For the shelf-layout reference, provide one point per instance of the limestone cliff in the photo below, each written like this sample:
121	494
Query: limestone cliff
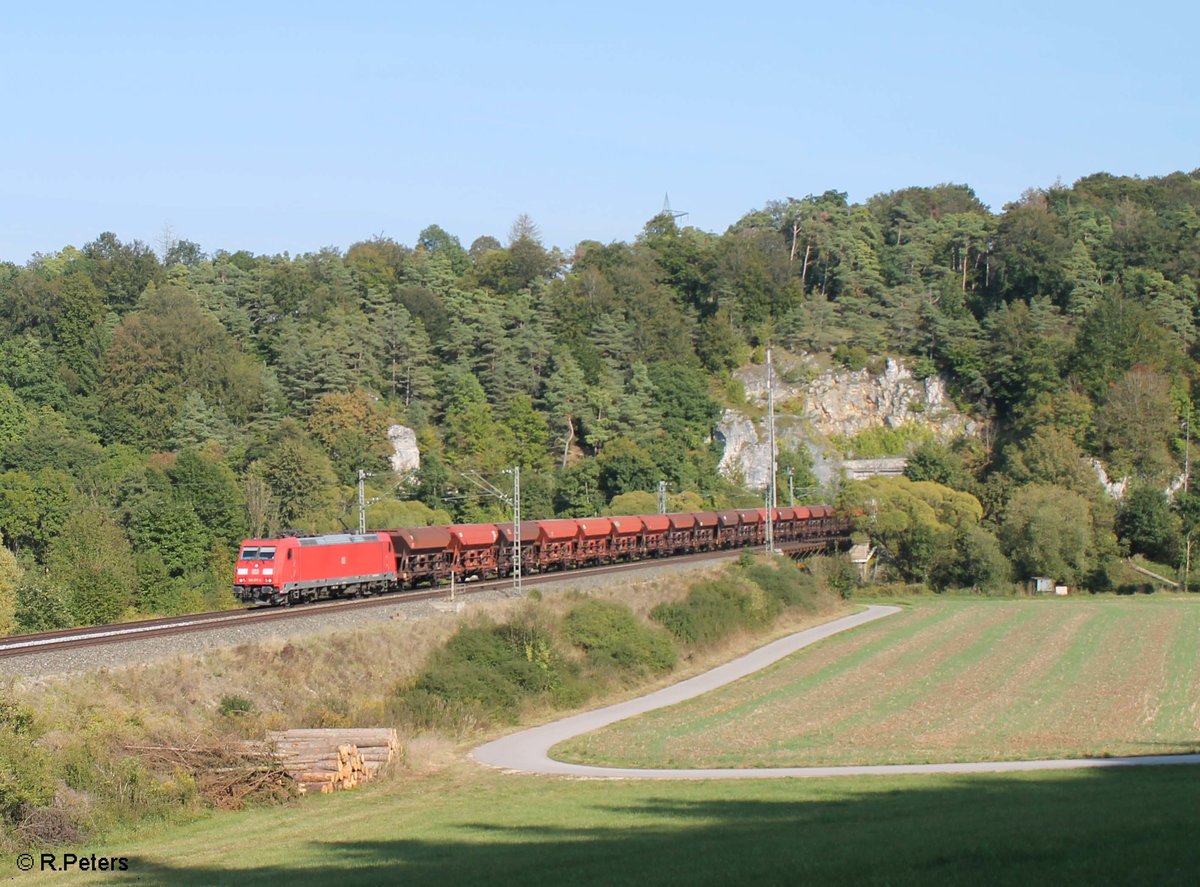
406	455
814	404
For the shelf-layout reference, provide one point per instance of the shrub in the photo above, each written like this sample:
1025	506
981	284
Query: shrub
42	604
424	710
843	577
235	706
329	711
612	635
713	610
923	368
25	777
880	442
782	581
852	357
56	823
489	669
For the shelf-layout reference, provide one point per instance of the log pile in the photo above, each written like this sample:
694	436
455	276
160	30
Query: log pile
328	760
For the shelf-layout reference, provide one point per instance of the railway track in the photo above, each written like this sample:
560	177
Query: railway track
133	632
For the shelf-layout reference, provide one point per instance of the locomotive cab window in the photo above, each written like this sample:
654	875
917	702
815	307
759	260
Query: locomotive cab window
266	554
249	554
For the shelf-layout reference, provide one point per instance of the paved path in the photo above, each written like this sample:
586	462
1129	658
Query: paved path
528	750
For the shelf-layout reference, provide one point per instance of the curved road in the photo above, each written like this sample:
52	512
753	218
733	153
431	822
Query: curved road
528	750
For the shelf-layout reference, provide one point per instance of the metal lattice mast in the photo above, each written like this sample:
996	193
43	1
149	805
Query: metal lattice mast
1187	477
791	488
516	507
515	501
772	498
362	502
667	211
770	534
662	497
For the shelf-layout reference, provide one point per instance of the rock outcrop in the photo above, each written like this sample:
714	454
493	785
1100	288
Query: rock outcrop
845	402
1115	487
812	406
406	455
746	459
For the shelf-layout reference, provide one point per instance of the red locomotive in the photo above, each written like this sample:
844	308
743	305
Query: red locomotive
305	568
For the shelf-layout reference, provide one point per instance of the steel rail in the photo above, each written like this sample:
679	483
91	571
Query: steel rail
132	632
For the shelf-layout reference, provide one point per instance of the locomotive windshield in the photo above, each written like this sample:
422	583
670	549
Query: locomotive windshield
258	554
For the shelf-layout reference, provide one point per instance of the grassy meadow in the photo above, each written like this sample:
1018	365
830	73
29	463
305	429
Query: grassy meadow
463	825
950	679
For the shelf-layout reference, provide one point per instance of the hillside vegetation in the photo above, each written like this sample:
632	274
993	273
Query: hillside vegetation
155	407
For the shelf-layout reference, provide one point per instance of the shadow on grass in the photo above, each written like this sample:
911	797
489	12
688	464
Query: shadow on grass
1120	826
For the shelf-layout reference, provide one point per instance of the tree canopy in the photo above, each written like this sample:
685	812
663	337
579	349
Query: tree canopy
208	393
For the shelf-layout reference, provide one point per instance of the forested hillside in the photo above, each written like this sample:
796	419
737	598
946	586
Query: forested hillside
156	406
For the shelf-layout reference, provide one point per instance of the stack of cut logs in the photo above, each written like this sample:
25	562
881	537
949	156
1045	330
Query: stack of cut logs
322	761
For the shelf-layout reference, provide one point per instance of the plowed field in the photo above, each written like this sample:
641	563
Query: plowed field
949	680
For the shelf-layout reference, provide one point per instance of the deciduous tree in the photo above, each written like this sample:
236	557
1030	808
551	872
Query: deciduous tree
92	560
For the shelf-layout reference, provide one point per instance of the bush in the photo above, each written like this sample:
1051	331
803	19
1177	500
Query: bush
326	712
25	777
842	577
490	669
852	357
713	610
1148	524
924	367
881	442
783	581
612	635
235	706
42	604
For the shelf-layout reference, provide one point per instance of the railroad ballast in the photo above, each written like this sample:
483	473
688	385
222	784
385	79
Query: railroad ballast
296	569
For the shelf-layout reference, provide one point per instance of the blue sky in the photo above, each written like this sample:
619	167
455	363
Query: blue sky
293	126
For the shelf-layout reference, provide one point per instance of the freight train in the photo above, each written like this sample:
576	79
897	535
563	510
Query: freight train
299	569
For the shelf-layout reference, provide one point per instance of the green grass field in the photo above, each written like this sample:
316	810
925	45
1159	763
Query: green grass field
465	826
948	680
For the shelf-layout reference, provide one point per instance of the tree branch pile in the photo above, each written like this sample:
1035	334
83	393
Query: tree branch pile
228	775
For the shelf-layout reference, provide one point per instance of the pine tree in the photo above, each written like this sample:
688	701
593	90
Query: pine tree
407	356
1084	277
566	398
198	423
81	308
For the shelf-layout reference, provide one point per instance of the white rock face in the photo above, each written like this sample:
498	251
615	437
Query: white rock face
406	455
747	455
745	458
846	402
834	402
1115	487
1118	487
